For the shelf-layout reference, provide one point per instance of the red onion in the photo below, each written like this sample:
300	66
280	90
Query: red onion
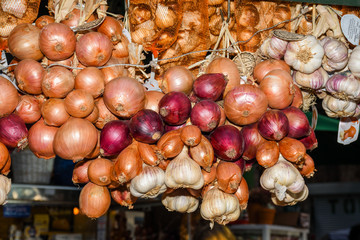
175	108
273	125
228	142
146	126
310	142
249	164
298	122
252	139
241	163
114	137
210	86
205	115
13	132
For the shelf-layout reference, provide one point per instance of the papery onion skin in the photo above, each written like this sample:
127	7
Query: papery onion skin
121	49
9	97
79	103
298	97
100	170
152	100
94	200
146	126
263	68
177	78
123	197
191	135
175	108
210	176
94	115
273	125
228	142
80	172
298	122
57	41
228	176
4	155
205	115
292	150
168	128
148	154
111	28
114	137
57	82
28	75
28	109
44	20
169	145
242	194
13	132
267	154
54	113
210	86
75	139
113	72
308	168
203	154
91	79
7	168
252	140
105	115
242	163
96	151
245	104
310	142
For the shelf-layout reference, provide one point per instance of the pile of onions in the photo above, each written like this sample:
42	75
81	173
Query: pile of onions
114	137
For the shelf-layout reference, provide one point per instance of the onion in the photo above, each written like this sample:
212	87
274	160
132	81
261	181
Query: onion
310	142
113	72
244	34
41	138
28	109
72	19
96	151
298	122
94	200
100	170
227	67
146	126
114	137
90	79
242	194
169	145
175	108
177	78
13	132
228	142
190	135
292	150
152	100
93	49
121	49
9	97
105	115
57	41
80	172
94	115
298	97
148	154
7	167
267	154
28	75
209	177
44	20
228	176
210	86
112	28
54	113
279	88
263	68
245	104
249	164
124	96
252	140
23	42
222	116
308	168
123	197
79	103
169	128
4	155
67	62
75	139
273	125
203	154
242	163
57	82
205	115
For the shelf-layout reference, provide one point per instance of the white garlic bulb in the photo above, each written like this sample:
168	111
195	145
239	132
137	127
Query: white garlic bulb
315	80
336	54
336	108
281	178
180	200
5	186
305	55
183	172
354	60
291	198
344	86
273	47
150	183
219	207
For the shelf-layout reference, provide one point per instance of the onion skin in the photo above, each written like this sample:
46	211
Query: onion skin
114	137
79	103
273	125
292	150
13	132
9	97
100	170
123	197
228	142
242	163
168	128
210	176
111	28
308	167
96	151
175	108
94	115
4	155
54	113
28	75
177	79
75	139
41	138
203	154
28	109
242	194
210	86
94	200
190	135
205	115
148	154
113	72
44	20
267	154
121	49
105	115
169	145
152	100
245	104
57	82
310	142
80	172
228	176
298	97
298	122
252	140
146	126
263	68
91	79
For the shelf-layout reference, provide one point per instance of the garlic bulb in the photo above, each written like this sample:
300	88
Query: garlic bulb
304	55
183	172
149	183
315	80
336	54
281	178
219	207
164	16
5	186
344	86
274	48
336	108
354	60
180	200
291	198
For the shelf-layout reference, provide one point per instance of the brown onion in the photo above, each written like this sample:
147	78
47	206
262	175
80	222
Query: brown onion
228	176
242	194
152	100
91	79
94	115
227	67
67	62
72	19
79	103
23	42
169	145
28	75
96	151
113	72
100	170
123	197
298	97
308	167
112	28
121	49
191	135
75	139
264	67
177	78
94	200
80	172
148	154
163	164
54	113
4	155
267	154
7	168
105	115
279	88
292	150
93	49
209	177
57	41
124	96
203	154
44	20
245	104
28	109
57	82
252	140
